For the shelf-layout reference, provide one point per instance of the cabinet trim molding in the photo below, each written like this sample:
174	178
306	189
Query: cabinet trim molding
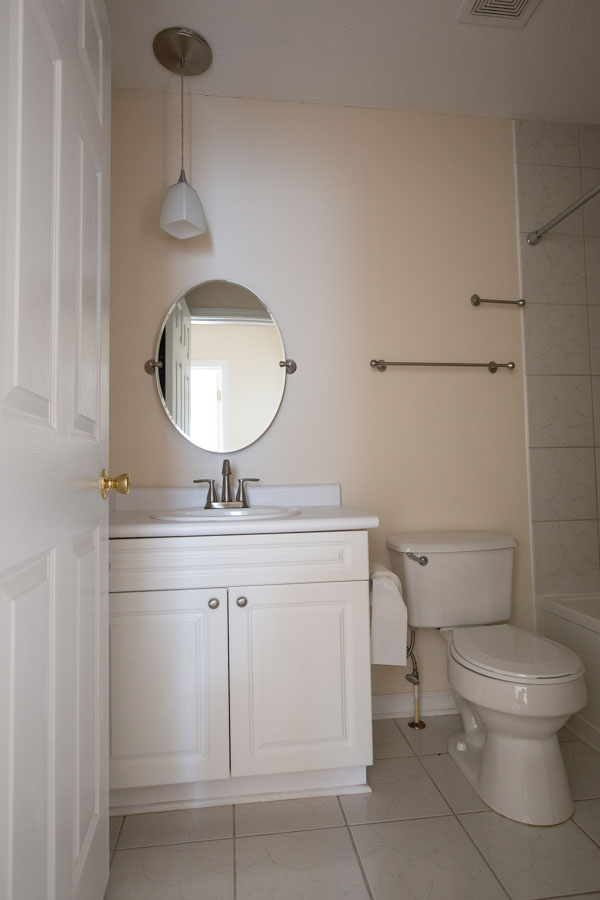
142	564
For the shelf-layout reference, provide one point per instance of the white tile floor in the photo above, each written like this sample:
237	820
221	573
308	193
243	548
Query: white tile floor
423	834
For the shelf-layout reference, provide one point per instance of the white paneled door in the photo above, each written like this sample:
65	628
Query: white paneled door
54	171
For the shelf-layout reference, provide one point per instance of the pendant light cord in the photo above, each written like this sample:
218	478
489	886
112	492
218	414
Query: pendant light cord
182	65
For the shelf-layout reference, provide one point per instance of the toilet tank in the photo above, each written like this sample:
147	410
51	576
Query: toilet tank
467	579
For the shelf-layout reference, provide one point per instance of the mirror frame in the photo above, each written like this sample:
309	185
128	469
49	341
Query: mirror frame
153	366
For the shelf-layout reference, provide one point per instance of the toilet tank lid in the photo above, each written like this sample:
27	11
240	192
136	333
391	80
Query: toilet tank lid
449	541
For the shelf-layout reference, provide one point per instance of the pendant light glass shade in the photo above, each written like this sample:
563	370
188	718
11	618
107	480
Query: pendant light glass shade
181	214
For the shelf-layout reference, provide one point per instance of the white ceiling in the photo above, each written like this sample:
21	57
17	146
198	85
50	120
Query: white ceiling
394	54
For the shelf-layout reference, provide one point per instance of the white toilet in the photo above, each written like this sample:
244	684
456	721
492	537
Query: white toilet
513	689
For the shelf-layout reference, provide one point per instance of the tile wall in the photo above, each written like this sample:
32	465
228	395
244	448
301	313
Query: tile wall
560	277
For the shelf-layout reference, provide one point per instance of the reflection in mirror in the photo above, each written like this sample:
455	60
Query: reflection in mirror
221	382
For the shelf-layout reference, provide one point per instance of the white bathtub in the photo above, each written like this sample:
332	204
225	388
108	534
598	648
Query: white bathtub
575	622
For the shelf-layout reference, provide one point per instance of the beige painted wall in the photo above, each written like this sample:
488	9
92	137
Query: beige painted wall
365	232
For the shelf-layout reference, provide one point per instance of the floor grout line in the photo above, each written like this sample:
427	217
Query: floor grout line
241	837
487	863
175	844
356	853
434	784
582	829
445	815
570	896
114	850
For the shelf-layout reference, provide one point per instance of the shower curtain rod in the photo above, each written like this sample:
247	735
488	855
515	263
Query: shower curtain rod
534	237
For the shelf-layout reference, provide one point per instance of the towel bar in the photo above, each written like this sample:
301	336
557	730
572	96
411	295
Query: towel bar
492	367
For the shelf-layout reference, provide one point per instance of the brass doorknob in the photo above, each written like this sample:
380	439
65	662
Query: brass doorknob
122	483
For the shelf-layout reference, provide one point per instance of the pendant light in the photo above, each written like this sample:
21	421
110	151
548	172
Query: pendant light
184	52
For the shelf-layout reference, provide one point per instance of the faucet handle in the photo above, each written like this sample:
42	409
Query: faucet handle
241	490
211	494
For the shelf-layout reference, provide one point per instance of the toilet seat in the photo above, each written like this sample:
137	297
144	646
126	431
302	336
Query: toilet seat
511	654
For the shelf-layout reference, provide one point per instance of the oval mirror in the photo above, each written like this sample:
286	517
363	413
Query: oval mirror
219	375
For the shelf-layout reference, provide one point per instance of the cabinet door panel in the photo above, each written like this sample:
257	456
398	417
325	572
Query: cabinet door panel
169	703
299	677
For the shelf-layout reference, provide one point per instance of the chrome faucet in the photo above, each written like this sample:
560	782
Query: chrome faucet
226	496
226	501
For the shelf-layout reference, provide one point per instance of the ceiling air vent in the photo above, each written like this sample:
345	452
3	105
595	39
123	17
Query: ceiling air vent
505	13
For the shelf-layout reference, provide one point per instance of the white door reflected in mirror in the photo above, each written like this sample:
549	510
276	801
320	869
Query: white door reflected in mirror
209	420
221	381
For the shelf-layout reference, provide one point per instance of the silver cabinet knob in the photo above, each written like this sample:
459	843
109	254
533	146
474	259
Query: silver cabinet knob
213	603
242	601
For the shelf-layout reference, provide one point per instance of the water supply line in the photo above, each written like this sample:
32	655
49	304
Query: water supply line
414	679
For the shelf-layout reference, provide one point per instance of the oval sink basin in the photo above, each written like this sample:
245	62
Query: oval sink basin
252	512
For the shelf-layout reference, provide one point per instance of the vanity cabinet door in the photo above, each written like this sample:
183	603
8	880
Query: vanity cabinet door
169	687
300	695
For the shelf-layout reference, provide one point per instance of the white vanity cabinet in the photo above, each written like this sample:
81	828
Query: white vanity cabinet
238	655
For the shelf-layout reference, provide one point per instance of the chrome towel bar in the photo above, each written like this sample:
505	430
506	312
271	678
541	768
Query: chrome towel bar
492	367
476	300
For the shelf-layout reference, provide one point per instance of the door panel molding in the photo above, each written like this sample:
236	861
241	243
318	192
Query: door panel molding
27	629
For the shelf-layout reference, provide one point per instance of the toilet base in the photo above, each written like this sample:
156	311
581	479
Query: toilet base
522	779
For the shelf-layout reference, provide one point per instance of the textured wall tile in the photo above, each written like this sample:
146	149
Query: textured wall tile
594	326
549	143
543	192
596	408
560	411
554	270
590	145
557	340
597	455
566	557
563	483
591	210
592	265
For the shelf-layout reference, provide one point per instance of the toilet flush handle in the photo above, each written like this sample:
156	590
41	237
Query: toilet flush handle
422	560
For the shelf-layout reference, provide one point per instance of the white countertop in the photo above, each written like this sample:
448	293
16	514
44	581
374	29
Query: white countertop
131	516
139	524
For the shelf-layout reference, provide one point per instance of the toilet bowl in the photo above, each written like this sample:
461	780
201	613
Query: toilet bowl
513	689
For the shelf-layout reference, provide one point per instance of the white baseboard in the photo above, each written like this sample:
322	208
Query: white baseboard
585	729
241	789
398	706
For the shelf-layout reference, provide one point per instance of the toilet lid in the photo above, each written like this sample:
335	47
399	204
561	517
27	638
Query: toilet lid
503	650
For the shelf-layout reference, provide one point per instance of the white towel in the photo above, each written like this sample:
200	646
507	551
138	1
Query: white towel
388	618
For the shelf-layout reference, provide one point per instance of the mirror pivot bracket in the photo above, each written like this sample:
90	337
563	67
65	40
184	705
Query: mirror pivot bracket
289	365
